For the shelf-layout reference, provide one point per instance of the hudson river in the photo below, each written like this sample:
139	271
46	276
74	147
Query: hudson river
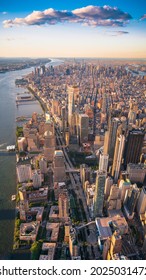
8	113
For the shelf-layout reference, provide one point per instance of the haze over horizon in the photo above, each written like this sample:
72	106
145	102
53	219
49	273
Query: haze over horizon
98	29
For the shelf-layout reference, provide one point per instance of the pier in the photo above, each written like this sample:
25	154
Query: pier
4	152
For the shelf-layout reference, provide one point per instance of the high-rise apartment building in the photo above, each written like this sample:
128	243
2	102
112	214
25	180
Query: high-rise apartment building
24	173
37	179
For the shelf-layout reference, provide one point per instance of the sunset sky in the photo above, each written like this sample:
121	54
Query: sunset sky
82	28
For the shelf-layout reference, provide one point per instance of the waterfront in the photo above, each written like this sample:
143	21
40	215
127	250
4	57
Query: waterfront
8	113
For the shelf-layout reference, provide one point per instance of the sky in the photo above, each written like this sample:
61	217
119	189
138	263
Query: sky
68	28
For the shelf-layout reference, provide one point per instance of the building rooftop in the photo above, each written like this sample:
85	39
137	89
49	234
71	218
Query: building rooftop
58	153
106	226
54	229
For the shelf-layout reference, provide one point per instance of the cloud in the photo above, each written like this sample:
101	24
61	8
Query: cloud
88	16
143	17
117	33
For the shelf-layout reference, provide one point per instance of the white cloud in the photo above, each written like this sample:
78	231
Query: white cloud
90	15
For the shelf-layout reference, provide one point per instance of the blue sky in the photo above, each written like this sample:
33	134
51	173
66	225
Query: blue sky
111	28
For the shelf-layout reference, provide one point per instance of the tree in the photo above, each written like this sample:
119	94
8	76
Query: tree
36	249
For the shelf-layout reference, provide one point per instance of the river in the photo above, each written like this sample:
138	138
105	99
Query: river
8	113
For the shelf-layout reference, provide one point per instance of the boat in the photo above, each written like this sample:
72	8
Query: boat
13	197
22	98
20	82
10	148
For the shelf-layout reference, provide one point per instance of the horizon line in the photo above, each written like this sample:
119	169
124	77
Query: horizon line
72	57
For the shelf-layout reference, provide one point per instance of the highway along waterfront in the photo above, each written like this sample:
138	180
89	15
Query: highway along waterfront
8	113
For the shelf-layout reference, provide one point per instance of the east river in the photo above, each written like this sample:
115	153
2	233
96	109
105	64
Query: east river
8	113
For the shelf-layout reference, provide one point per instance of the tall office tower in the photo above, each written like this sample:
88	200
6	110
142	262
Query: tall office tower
131	117
42	70
55	104
118	155
99	193
114	200
110	138
89	111
131	200
63	203
43	165
103	162
85	174
123	120
49	141
49	126
106	139
49	145
133	146
37	179
136	172
73	92
59	167
108	184
83	128
124	185
63	115
141	203
104	103
24	173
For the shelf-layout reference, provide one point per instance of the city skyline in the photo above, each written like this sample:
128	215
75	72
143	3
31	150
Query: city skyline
103	29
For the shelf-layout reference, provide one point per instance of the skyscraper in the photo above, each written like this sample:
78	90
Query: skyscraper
104	103
83	128
73	92
63	203
37	179
118	154
103	162
110	137
43	165
108	184
49	140
59	167
133	146
131	200
99	193
141	203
